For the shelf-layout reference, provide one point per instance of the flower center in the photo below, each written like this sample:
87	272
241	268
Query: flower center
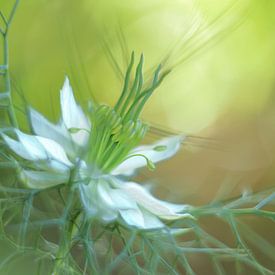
116	131
111	138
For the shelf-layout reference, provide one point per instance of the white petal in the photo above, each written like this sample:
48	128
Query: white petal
153	205
121	200
87	194
42	179
81	137
151	221
94	205
17	147
42	127
54	150
128	167
176	207
108	216
133	217
115	198
32	146
52	166
104	196
72	114
102	201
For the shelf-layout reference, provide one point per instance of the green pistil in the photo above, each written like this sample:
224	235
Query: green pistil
116	131
136	87
126	83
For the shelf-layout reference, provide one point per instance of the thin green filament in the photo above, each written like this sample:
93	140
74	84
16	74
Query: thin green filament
136	85
116	131
126	82
151	166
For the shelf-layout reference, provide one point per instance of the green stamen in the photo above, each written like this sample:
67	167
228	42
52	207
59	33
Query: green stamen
150	165
116	131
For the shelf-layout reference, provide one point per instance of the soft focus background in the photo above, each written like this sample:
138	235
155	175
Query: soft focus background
223	95
224	92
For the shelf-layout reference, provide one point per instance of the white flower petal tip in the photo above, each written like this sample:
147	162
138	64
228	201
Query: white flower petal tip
133	218
42	127
155	206
54	150
156	152
39	123
32	145
27	146
16	147
109	200
36	148
73	116
141	219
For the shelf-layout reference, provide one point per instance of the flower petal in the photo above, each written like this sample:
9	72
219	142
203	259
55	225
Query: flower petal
87	194
17	147
51	165
32	146
73	116
43	179
176	207
54	150
108	216
42	127
151	221
171	145
133	217
115	198
155	206
94	205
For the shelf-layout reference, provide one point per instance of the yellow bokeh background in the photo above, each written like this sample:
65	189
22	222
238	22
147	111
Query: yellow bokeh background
51	39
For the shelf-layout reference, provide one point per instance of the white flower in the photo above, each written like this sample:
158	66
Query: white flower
170	147
72	117
50	164
55	150
111	199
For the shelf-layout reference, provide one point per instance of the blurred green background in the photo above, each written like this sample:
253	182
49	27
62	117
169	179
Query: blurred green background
52	38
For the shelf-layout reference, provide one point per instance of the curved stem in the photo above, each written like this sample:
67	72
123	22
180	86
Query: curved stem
11	112
66	232
5	67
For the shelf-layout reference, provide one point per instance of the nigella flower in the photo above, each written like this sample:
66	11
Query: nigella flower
99	150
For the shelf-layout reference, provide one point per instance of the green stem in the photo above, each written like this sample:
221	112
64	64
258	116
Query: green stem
63	253
11	112
6	73
236	212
